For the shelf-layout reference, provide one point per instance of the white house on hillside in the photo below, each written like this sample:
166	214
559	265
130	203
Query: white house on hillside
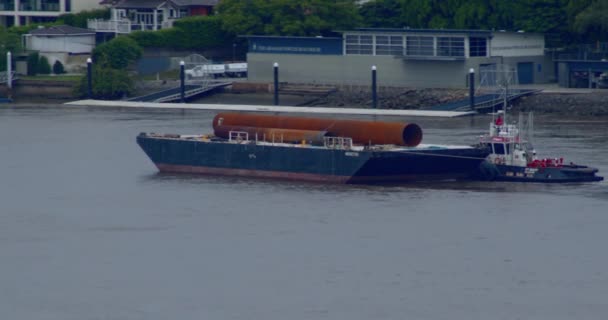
23	12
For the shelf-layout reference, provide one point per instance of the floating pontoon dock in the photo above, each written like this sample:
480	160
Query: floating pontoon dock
274	109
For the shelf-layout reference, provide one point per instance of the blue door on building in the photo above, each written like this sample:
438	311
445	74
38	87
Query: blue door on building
525	72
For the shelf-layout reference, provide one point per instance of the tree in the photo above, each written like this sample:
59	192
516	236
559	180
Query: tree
8	42
80	19
108	83
58	67
44	67
117	53
32	63
593	20
288	17
382	14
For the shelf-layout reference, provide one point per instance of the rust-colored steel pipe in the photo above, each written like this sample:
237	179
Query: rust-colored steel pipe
362	132
273	134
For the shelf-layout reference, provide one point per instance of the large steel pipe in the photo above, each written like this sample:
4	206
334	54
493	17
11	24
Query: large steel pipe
362	132
273	134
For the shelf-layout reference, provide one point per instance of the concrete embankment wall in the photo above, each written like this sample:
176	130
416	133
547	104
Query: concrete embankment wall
36	89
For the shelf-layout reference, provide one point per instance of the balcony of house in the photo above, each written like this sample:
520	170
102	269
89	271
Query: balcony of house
125	25
7	5
40	6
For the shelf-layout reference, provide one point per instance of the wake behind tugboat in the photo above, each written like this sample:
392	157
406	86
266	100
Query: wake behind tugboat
314	149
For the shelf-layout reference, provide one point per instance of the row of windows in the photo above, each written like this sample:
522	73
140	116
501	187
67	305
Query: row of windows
415	46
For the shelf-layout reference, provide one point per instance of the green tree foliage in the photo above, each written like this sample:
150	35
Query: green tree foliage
108	83
382	14
593	20
288	17
58	67
187	33
32	63
561	18
44	67
117	53
80	19
8	42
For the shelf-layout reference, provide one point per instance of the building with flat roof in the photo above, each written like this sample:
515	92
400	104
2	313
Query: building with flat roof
23	12
403	57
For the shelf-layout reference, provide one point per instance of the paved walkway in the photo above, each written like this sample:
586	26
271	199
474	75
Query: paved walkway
282	109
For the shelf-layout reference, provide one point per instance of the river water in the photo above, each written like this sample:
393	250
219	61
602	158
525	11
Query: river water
90	230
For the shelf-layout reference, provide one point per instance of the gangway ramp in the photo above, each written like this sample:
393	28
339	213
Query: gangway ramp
190	91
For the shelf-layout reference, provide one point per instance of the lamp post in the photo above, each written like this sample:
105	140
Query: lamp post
182	80
276	83
9	70
89	78
374	89
472	88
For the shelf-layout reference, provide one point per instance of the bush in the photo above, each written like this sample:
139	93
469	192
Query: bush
187	33
108	83
58	67
44	67
117	53
32	63
80	19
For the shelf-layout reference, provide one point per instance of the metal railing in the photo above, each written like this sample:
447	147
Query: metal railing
116	26
4	76
340	143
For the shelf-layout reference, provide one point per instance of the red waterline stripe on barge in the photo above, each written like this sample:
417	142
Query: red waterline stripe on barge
251	173
299	176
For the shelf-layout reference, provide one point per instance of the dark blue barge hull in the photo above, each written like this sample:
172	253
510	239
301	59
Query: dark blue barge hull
193	155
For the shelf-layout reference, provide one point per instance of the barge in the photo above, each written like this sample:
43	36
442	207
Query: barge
312	149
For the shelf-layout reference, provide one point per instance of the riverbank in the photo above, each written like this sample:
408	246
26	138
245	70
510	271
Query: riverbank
564	102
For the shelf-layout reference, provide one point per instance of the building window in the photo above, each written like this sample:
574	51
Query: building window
450	47
420	46
359	44
389	45
478	47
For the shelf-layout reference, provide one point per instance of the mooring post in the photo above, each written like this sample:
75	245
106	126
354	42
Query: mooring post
374	89
276	83
89	78
472	88
182	81
9	71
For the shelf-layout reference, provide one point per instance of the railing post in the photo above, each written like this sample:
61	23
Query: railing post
182	77
472	88
89	78
276	83
374	89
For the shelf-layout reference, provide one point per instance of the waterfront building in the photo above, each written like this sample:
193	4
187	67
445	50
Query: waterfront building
24	12
403	57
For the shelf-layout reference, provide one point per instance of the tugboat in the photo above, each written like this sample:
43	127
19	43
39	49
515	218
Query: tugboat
513	158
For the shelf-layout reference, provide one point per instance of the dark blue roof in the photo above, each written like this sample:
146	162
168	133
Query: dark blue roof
408	30
288	37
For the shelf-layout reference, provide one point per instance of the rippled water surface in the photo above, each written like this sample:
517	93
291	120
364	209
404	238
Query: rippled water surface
90	230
